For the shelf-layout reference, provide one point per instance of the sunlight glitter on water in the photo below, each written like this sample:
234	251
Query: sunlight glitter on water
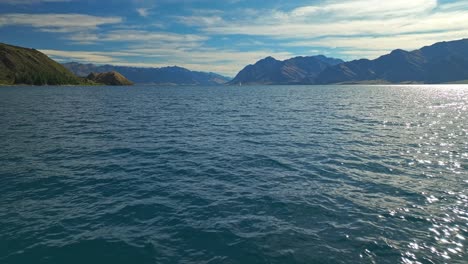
333	174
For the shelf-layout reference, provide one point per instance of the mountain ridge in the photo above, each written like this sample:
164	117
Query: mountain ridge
295	70
169	75
441	62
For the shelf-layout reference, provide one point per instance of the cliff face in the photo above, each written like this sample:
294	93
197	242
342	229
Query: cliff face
109	78
28	66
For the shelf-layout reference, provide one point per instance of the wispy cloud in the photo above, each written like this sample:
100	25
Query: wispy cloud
225	40
79	28
380	44
137	36
371	25
150	36
365	8
82	56
341	20
62	23
144	12
199	21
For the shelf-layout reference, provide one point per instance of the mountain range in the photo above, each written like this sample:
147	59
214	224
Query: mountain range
442	62
298	70
160	76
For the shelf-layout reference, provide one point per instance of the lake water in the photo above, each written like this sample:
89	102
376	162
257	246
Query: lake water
282	174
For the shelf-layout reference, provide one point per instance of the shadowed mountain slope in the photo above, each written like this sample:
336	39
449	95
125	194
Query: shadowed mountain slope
163	76
438	63
298	70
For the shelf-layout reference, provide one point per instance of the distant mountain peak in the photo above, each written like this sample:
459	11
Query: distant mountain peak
268	59
170	75
301	69
438	63
398	51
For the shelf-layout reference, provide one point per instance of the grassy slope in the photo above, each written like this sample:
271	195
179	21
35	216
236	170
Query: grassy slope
28	66
110	78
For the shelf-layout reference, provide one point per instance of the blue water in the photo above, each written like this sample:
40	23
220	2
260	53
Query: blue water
299	174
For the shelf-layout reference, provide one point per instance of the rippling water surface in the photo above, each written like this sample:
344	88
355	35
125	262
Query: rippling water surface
332	174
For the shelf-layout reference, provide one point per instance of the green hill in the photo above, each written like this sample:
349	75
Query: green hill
109	78
28	66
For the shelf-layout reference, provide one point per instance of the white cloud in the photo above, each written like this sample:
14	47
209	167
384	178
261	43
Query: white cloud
82	56
371	27
285	29
367	8
145	36
199	21
83	38
381	43
61	23
144	12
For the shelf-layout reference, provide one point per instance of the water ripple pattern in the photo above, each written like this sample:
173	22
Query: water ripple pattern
298	174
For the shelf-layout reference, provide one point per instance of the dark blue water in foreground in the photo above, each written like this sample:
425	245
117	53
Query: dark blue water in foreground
345	174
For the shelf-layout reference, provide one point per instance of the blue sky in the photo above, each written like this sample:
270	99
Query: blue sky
224	36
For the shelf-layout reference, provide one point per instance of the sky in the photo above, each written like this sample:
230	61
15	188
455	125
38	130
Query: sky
223	36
